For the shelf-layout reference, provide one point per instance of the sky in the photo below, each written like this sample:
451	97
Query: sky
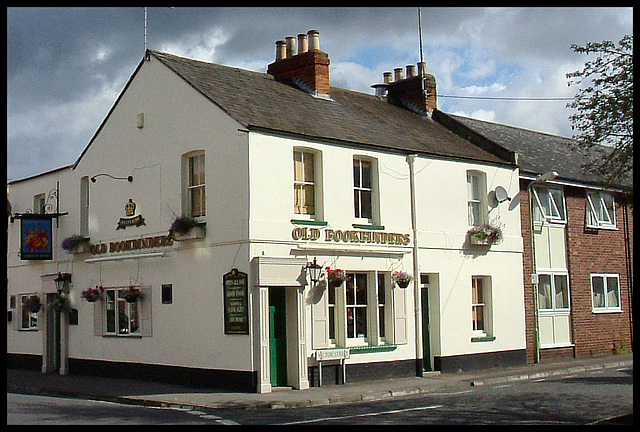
67	66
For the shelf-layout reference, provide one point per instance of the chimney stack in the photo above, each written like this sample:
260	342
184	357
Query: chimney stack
308	69
416	92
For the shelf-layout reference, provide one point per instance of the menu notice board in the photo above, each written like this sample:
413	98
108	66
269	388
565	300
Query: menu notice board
236	302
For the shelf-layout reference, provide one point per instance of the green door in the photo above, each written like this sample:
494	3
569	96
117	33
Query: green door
277	337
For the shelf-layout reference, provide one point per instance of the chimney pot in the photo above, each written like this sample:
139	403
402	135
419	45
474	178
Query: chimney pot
303	43
398	74
387	77
314	40
291	46
281	50
411	70
422	68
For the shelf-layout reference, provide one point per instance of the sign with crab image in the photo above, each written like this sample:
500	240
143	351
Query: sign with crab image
35	238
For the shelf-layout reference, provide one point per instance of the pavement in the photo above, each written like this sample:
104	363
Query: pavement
176	396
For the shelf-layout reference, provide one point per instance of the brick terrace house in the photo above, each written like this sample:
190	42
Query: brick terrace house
583	241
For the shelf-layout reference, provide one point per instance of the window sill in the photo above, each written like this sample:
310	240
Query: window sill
601	227
368	226
607	311
309	222
372	349
483	339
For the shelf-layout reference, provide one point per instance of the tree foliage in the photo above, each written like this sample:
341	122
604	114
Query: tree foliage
604	117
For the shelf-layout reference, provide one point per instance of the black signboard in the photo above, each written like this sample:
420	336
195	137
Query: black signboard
236	302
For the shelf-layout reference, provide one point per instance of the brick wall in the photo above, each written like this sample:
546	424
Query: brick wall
311	69
589	251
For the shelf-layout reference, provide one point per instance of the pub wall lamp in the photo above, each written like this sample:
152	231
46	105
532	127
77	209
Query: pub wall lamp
62	282
315	270
129	178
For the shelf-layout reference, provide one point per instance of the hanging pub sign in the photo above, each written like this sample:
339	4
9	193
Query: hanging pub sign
132	218
36	242
236	302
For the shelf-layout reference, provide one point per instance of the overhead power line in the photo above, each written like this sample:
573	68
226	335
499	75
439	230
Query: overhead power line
536	99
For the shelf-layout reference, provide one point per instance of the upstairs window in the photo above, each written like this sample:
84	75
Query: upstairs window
304	187
549	204
601	212
362	189
39	203
476	198
194	192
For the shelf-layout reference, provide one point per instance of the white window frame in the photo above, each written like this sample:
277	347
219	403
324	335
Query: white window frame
553	294
356	306
21	311
606	308
377	331
551	204
601	210
189	188
485	304
359	189
301	184
118	303
476	198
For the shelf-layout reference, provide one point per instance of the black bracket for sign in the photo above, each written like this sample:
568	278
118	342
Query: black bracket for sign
39	215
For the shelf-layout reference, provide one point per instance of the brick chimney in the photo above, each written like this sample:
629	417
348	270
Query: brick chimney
416	92
308	68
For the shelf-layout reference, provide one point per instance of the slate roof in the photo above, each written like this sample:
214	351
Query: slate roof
261	102
538	152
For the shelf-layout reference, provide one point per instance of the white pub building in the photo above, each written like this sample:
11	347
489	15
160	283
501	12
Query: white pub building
243	230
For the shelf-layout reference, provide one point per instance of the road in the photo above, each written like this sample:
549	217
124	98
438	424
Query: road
582	398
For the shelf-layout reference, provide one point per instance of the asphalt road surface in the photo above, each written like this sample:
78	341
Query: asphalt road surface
583	398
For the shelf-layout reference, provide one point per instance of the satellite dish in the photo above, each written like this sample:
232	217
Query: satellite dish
501	194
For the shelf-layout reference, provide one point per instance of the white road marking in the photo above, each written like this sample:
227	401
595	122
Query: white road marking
361	415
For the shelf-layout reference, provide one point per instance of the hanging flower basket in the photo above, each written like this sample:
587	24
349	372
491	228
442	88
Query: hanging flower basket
401	278
61	303
32	303
187	228
335	277
75	244
93	294
485	235
132	295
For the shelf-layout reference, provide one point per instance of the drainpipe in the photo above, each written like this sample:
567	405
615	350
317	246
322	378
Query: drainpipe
416	271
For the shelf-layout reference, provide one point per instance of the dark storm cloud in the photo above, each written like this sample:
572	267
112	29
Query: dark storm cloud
66	66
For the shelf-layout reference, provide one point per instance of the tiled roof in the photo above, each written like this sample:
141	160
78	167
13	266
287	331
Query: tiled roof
261	102
538	152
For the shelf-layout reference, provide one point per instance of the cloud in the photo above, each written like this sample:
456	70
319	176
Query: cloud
66	66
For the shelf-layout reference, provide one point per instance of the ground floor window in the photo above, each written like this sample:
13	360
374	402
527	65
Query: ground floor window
122	316
356	306
554	308
481	317
29	311
605	292
358	310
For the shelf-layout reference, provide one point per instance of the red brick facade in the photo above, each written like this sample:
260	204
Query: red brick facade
311	69
588	251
